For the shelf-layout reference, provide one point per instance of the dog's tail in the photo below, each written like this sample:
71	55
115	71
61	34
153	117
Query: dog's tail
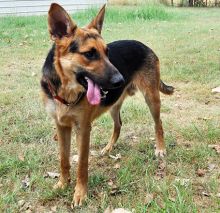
168	90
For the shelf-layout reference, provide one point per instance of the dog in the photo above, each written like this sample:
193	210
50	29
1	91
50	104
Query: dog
83	78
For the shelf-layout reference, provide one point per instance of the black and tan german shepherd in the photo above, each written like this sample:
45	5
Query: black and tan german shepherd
83	77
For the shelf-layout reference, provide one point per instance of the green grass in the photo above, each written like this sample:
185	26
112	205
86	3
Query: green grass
187	43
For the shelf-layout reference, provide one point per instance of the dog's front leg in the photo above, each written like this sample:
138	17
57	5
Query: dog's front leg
82	138
64	139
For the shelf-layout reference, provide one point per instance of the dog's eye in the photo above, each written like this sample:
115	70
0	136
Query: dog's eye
91	54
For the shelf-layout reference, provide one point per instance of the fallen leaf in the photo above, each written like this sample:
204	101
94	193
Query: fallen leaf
115	190
152	138
117	166
216	147
121	210
206	194
21	203
211	166
183	181
26	182
117	157
187	144
173	199
173	144
94	153
218	195
160	203
21	157
148	199
75	159
72	205
26	207
179	106
161	169
134	138
53	208
216	90
201	172
33	74
110	182
52	175
162	165
204	118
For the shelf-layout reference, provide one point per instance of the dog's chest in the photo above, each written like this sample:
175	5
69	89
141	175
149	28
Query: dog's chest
63	114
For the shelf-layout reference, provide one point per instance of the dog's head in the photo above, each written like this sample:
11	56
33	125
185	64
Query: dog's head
81	54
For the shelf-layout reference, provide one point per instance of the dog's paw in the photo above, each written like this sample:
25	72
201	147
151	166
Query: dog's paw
80	195
160	153
107	149
60	185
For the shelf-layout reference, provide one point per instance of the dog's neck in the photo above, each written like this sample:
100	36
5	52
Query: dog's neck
70	95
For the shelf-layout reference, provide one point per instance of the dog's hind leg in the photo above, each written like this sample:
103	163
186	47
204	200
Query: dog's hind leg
64	139
115	114
148	82
153	100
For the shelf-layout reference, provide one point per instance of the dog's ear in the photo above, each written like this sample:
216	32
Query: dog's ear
59	22
97	22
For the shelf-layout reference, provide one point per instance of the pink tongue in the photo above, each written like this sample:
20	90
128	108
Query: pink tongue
93	93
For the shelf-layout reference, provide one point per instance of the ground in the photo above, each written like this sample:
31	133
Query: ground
188	180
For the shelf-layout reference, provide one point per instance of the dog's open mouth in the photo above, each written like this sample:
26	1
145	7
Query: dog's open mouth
96	87
94	92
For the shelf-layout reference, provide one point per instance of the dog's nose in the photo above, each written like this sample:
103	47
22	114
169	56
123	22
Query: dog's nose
117	80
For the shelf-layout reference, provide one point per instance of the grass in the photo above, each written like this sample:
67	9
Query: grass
187	43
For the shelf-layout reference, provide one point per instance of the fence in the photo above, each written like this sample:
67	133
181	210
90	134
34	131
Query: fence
36	7
193	3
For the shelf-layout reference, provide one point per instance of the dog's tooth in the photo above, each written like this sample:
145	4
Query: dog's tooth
105	92
104	96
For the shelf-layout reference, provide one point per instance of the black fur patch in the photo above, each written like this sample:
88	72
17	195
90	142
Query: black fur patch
74	46
128	56
49	72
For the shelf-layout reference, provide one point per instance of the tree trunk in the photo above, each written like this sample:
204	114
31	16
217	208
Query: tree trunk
172	2
191	3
